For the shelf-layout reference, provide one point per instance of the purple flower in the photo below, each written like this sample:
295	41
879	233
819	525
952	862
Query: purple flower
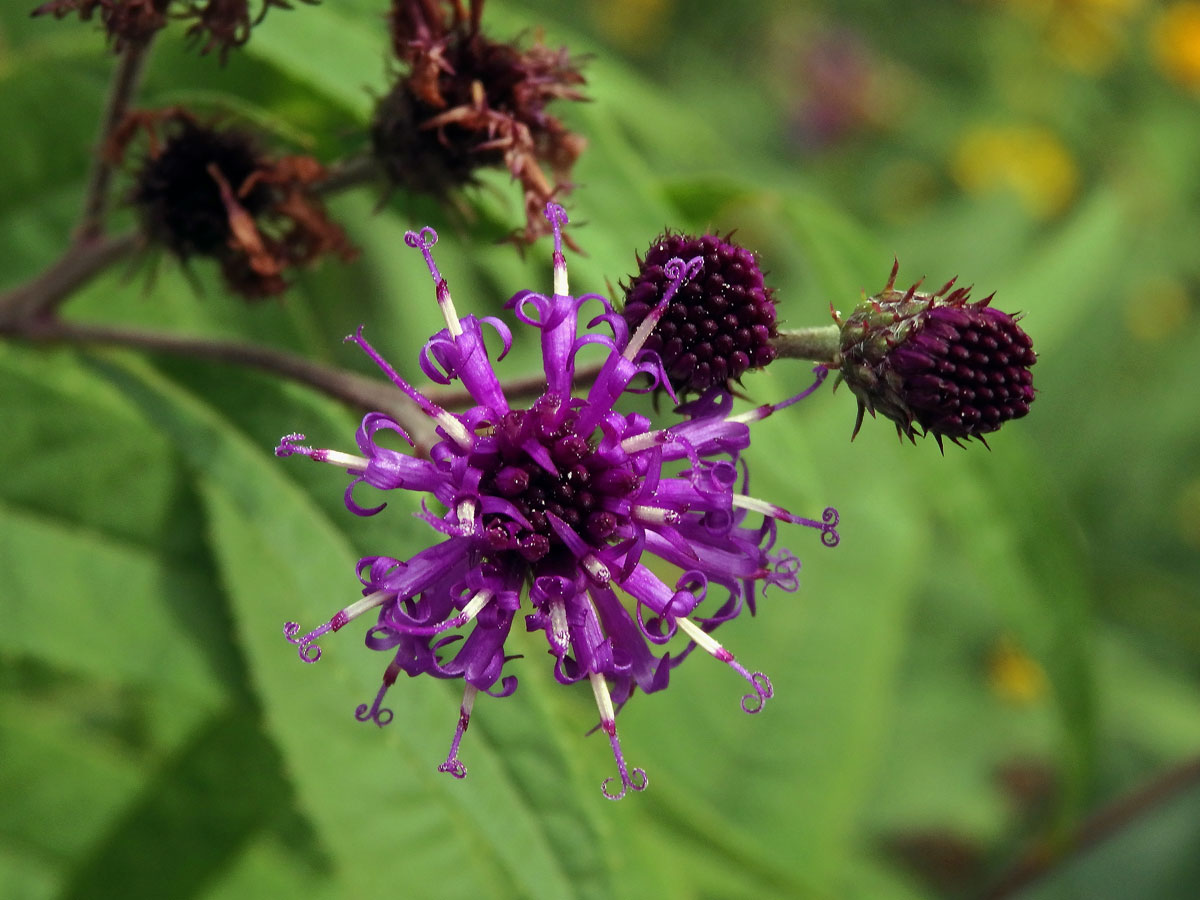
563	504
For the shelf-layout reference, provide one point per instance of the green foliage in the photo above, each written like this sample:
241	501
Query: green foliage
1033	608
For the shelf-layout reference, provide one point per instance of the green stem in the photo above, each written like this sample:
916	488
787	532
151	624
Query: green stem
821	344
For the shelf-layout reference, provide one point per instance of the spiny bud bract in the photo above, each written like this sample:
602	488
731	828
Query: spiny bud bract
718	324
953	368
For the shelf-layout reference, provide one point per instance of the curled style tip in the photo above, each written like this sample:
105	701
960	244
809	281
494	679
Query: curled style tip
829	535
307	648
421	240
556	215
630	779
827	526
634	779
376	713
677	271
763	691
424	241
289	444
453	768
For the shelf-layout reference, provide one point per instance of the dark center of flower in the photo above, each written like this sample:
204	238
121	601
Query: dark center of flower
718	324
179	198
584	491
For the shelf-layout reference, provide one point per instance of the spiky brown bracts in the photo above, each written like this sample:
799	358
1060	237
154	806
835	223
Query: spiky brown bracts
466	102
206	190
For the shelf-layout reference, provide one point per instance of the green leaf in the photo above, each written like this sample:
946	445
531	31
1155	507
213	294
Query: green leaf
367	792
338	54
198	811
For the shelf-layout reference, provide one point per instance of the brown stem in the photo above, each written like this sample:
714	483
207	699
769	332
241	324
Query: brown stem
82	261
348	387
340	384
126	78
347	173
1043	858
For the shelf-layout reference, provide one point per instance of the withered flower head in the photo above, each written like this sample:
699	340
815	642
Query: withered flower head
218	25
953	368
202	190
717	325
126	22
466	102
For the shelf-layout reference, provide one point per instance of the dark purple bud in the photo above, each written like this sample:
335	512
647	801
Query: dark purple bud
937	362
718	325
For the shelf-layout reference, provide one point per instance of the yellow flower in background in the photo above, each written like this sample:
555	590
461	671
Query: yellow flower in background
1028	160
1175	41
1013	675
1084	35
1157	309
633	25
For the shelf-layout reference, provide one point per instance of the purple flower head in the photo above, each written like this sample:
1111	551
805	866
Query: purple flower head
955	369
720	321
559	511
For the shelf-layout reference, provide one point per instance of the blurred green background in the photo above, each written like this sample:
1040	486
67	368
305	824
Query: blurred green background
1003	644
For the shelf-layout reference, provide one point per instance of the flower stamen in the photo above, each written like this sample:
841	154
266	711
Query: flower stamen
560	633
761	412
453	765
288	446
763	691
646	440
469	612
655	515
558	218
678	272
630	779
448	422
424	241
308	650
827	526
